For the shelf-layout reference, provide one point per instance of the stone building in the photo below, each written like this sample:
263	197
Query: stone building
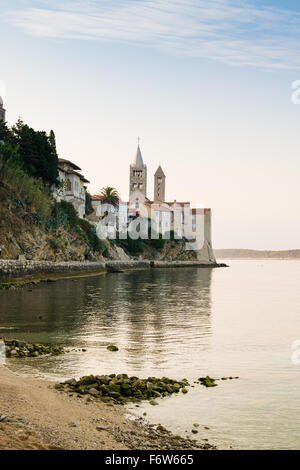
101	209
138	174
2	110
167	214
72	185
159	185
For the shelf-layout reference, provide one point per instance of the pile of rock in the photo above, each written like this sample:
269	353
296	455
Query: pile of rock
16	348
121	389
148	436
210	382
207	381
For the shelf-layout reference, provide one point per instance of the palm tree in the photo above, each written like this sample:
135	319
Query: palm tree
110	196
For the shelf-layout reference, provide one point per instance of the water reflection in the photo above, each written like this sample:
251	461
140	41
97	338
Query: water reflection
153	316
181	323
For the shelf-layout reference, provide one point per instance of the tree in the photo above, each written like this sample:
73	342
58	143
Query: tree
5	133
52	141
88	204
8	153
109	195
38	152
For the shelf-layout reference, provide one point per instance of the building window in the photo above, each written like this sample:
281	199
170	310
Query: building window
69	185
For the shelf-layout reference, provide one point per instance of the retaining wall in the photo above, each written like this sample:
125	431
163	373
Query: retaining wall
13	270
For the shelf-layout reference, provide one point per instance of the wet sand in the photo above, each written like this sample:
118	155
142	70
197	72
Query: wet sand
33	415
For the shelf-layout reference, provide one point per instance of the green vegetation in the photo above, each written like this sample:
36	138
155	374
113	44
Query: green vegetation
64	214
90	232
133	246
109	195
88	204
36	151
137	246
24	189
28	171
28	166
154	240
158	243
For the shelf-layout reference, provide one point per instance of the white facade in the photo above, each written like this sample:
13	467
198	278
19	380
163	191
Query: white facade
72	186
161	215
119	213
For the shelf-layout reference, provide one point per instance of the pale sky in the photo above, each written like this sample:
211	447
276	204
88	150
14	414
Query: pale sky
206	84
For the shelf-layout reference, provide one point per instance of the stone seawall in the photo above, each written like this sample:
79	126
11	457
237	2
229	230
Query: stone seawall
11	270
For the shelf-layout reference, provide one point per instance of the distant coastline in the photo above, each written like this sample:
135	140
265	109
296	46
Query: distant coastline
257	254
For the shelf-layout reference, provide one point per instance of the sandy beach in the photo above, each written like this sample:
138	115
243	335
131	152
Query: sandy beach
33	415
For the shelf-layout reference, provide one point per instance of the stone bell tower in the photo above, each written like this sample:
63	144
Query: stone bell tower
159	185
2	110
138	174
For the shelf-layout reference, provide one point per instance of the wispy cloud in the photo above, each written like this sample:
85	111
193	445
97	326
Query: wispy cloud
235	32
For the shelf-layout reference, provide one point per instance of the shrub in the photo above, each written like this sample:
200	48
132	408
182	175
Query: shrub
158	243
55	244
90	232
105	253
88	204
69	211
26	189
135	246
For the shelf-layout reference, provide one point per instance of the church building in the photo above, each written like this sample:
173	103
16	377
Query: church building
2	110
162	212
138	174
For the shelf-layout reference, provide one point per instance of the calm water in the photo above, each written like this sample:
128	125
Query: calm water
181	323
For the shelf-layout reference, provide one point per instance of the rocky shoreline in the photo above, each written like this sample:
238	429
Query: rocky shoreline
28	271
103	393
108	391
16	348
34	415
121	389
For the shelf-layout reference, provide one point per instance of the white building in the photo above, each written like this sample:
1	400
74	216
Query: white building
119	214
72	185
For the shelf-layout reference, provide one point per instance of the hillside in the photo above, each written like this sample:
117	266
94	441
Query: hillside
32	223
256	254
22	232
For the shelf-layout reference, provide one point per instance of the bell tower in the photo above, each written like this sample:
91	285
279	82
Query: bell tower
2	110
138	174
159	185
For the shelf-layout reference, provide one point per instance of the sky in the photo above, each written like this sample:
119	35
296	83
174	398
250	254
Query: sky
206	84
